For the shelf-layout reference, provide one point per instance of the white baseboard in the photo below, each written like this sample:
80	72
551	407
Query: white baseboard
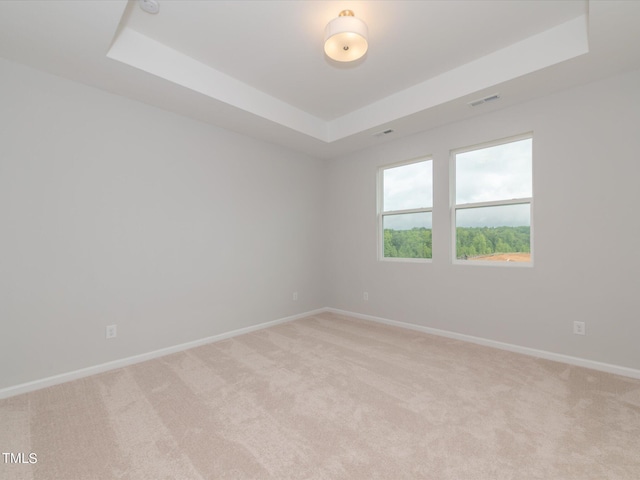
556	357
104	367
124	362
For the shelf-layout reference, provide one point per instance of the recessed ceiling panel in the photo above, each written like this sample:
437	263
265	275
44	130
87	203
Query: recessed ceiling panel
258	67
276	46
266	57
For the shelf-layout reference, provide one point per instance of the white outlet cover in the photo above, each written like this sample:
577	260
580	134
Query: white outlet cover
112	331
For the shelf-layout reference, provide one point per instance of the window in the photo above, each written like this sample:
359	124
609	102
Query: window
406	202
493	202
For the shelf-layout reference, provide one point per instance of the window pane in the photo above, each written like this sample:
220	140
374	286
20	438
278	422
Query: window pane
500	234
407	235
408	186
502	172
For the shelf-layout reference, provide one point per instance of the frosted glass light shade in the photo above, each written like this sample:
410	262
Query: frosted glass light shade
345	38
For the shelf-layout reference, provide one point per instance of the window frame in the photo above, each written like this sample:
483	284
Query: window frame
493	203
381	213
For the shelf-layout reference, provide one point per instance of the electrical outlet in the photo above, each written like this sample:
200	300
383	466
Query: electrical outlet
295	296
112	331
579	328
365	296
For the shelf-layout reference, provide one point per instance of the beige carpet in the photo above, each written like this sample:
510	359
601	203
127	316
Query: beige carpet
335	398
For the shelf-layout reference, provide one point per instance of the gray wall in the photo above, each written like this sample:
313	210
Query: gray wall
112	211
587	255
115	212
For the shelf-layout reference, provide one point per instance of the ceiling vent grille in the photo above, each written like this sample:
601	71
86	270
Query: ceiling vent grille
480	101
383	133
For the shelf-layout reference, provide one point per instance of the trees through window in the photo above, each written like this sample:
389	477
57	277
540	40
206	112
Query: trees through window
493	202
405	210
491	210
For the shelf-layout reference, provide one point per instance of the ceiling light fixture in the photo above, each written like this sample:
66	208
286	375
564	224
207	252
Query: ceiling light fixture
345	37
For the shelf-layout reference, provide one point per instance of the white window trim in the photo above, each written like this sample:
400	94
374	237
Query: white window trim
381	213
463	206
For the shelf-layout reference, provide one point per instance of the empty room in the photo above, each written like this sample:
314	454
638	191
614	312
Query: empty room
319	239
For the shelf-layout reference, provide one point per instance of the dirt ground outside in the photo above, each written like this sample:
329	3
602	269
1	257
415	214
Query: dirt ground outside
504	257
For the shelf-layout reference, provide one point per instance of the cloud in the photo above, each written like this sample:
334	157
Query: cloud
408	186
502	172
407	221
502	216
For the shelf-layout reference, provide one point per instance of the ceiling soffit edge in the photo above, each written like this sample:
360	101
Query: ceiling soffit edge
560	43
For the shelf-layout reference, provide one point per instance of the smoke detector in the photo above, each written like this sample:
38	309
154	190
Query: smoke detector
149	6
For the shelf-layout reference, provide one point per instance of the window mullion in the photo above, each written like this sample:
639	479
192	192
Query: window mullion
410	210
494	203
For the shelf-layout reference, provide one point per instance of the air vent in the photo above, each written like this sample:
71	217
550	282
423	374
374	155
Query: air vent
383	133
480	101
